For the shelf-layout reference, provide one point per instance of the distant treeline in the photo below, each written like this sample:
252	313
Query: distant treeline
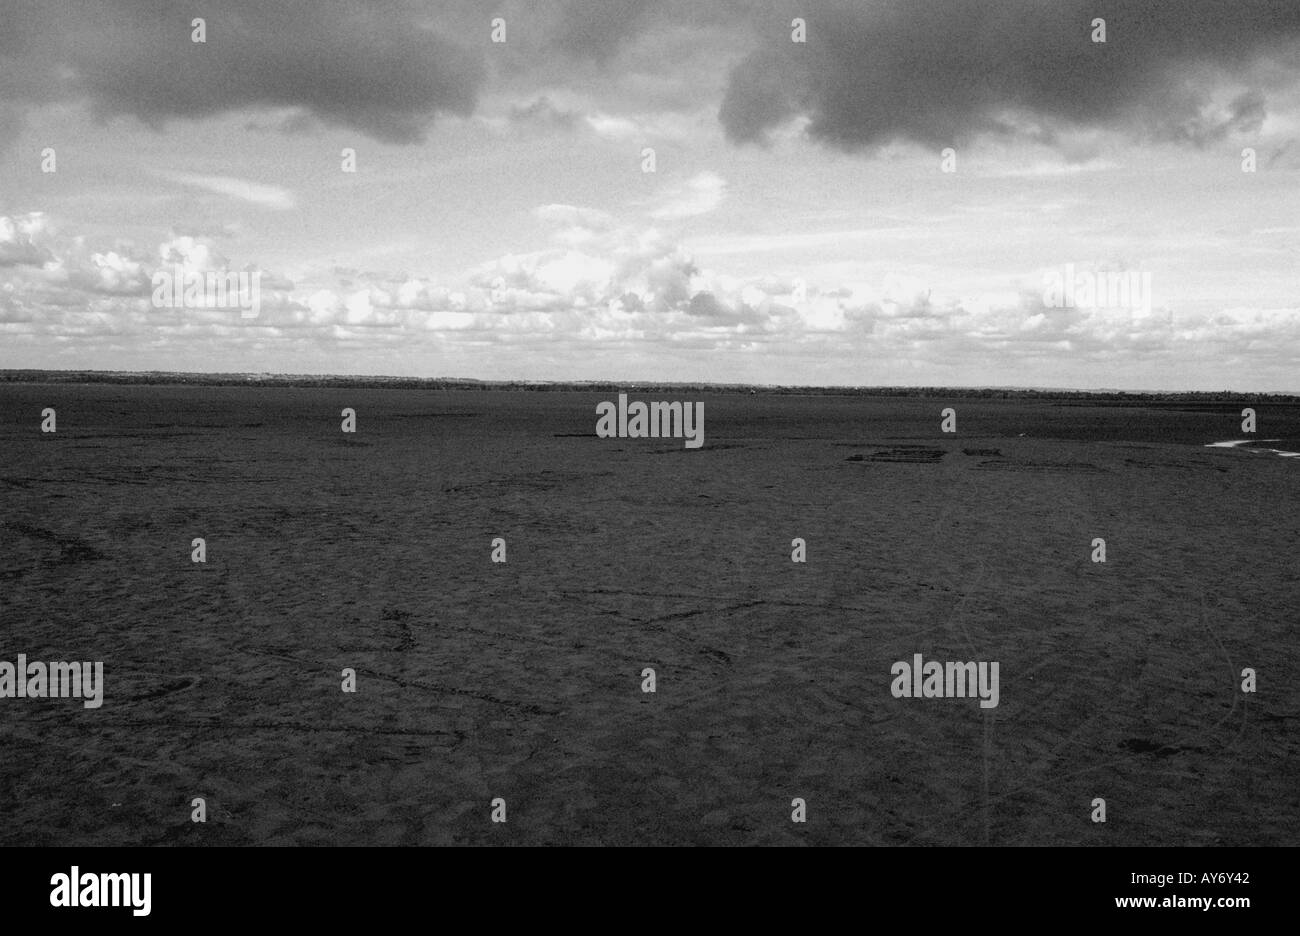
147	378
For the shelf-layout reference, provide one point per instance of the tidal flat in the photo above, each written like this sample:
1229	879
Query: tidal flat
523	680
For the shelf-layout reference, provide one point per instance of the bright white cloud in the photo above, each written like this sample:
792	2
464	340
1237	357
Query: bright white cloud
700	195
625	287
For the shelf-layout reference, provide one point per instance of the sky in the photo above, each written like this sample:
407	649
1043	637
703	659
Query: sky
860	193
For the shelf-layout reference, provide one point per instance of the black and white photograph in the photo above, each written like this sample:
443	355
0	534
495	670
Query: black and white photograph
650	423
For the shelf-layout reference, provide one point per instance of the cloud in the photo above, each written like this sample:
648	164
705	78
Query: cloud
12	123
113	274
622	290
1051	169
928	71
700	195
595	29
938	73
17	247
379	69
255	193
58	282
542	112
560	110
572	226
566	217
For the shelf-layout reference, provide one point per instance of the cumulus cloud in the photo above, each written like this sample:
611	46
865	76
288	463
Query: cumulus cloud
113	274
71	286
17	246
602	284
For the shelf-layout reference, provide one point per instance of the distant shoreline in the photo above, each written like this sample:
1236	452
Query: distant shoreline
167	378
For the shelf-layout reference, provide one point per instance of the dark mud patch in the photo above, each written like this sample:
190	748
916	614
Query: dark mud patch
902	454
72	549
678	449
1003	464
1191	467
435	416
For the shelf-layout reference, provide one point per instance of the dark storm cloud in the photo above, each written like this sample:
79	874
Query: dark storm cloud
595	29
872	71
377	68
943	71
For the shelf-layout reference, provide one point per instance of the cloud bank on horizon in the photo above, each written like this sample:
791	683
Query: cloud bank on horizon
878	203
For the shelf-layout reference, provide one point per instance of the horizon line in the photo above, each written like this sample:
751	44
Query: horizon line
15	375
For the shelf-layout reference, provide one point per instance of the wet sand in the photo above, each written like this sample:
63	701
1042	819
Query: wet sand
523	681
